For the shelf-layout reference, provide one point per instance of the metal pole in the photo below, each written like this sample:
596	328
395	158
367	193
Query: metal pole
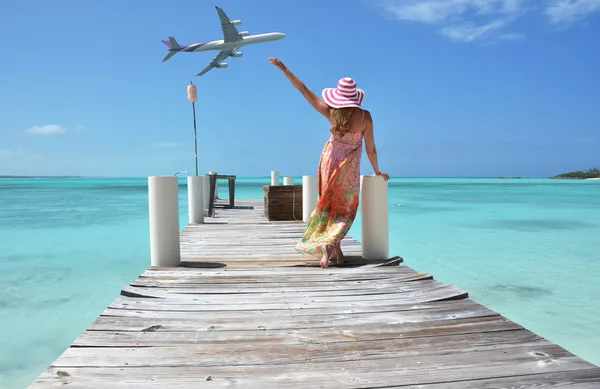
195	142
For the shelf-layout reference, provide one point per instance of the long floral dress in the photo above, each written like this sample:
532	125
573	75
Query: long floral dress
339	184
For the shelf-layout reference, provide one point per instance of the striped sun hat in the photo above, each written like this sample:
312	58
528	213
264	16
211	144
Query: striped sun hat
345	95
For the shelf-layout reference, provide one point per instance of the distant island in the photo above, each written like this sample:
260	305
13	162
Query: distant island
580	175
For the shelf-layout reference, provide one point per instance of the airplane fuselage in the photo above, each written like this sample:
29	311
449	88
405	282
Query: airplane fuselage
222	45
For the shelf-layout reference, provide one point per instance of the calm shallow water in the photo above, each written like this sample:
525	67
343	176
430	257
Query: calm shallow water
528	249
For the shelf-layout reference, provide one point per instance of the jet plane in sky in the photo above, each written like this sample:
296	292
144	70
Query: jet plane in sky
228	46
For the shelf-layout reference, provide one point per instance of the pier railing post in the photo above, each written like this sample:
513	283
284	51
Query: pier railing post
309	196
213	193
288	180
163	201
374	215
205	192
274	178
216	182
195	199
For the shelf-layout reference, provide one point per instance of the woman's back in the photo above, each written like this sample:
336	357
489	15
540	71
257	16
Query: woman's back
347	121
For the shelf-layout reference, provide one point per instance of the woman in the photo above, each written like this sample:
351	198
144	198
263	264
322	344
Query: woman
339	167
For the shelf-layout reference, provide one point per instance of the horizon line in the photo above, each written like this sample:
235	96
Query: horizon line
258	177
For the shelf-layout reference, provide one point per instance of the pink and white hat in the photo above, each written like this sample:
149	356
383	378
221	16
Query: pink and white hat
345	95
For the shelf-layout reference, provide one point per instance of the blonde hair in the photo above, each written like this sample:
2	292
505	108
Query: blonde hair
340	118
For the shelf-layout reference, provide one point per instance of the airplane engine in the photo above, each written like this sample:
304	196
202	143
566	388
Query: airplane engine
236	22
244	33
237	54
222	65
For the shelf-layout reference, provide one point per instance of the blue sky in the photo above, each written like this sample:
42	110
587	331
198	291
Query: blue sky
456	87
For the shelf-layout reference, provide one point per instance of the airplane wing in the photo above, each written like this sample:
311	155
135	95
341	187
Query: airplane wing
218	59
230	33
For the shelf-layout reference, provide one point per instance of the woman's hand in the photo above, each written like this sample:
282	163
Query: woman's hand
277	63
382	174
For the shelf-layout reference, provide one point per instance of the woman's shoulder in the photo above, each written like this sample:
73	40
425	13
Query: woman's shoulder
366	116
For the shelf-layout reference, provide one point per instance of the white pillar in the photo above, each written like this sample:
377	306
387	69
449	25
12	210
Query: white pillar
288	180
216	187
374	215
205	192
195	199
163	201
309	196
274	178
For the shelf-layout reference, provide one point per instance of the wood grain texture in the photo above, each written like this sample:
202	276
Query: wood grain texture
246	311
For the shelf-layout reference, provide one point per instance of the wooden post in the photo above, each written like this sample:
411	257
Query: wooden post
215	187
212	194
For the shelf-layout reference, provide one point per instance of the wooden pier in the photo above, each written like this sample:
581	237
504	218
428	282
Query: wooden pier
244	310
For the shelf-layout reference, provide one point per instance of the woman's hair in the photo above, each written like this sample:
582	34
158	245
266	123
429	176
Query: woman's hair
340	118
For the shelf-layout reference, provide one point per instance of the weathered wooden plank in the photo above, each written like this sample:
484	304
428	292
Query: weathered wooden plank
207	321
573	379
277	270
188	307
230	296
484	324
384	372
190	283
399	281
293	284
181	279
262	354
447	292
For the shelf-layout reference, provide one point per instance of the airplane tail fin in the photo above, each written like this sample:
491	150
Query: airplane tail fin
173	47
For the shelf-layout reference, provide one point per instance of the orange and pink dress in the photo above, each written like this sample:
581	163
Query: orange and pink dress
339	185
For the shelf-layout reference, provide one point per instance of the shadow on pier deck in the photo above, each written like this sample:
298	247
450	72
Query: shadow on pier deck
246	311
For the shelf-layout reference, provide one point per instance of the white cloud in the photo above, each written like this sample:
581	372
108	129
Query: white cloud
469	31
165	145
479	20
48	129
568	11
461	20
437	11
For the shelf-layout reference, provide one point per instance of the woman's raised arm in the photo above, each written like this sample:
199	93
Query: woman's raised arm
309	95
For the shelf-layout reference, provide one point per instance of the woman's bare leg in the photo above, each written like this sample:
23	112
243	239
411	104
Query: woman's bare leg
338	254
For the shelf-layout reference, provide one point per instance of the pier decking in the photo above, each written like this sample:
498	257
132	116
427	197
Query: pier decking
246	311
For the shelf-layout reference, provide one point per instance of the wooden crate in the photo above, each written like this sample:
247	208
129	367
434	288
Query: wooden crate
283	202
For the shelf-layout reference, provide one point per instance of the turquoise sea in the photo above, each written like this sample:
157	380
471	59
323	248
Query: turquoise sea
528	248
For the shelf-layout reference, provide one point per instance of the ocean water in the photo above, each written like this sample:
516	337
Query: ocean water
529	249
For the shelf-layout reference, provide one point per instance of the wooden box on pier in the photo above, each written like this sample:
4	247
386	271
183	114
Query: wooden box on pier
283	202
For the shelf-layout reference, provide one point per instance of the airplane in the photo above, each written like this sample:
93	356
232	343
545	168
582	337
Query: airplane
228	46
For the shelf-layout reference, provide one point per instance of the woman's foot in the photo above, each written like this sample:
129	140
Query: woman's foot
326	257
